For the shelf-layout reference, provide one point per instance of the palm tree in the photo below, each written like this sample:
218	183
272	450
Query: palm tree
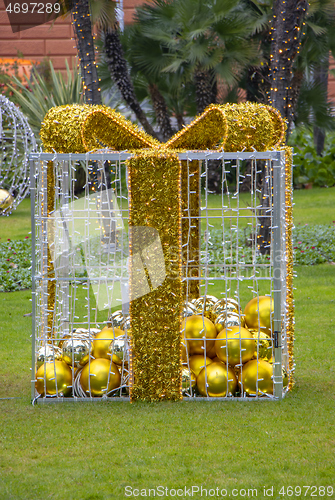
117	65
205	42
163	89
286	32
307	98
101	13
81	18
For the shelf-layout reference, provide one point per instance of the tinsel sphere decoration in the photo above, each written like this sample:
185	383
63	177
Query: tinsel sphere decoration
101	342
17	141
74	350
6	201
47	354
226	306
197	363
256	370
198	327
264	344
258	313
217	378
188	380
238	341
94	377
53	372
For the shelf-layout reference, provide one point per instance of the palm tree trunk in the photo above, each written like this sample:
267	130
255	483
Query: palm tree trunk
205	89
321	77
180	121
85	46
161	112
118	69
286	32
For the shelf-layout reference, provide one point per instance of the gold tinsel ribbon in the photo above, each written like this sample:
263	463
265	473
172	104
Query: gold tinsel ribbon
289	264
51	286
155	201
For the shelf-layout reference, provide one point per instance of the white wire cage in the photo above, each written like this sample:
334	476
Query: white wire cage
234	249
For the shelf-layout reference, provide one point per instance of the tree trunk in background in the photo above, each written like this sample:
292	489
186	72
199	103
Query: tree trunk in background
321	77
161	112
85	46
205	89
286	33
119	71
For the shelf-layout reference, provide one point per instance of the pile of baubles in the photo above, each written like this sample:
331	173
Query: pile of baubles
86	363
227	352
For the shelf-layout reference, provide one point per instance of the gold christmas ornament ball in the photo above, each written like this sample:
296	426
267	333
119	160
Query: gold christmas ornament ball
226	320
264	344
126	325
118	347
240	345
198	327
6	200
94	377
183	350
226	306
101	342
197	363
116	320
188	380
258	313
256	370
218	378
73	350
189	310
85	360
55	373
212	352
47	354
205	303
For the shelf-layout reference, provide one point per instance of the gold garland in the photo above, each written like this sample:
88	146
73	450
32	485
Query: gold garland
253	127
245	126
61	128
51	286
155	200
289	263
107	128
207	131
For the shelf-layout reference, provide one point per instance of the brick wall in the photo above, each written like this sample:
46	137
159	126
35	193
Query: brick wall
39	41
57	42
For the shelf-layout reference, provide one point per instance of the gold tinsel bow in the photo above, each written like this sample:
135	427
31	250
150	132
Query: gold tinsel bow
233	127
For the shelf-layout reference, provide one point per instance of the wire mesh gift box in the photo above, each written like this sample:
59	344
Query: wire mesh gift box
146	284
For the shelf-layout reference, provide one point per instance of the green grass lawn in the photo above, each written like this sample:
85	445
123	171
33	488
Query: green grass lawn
95	450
